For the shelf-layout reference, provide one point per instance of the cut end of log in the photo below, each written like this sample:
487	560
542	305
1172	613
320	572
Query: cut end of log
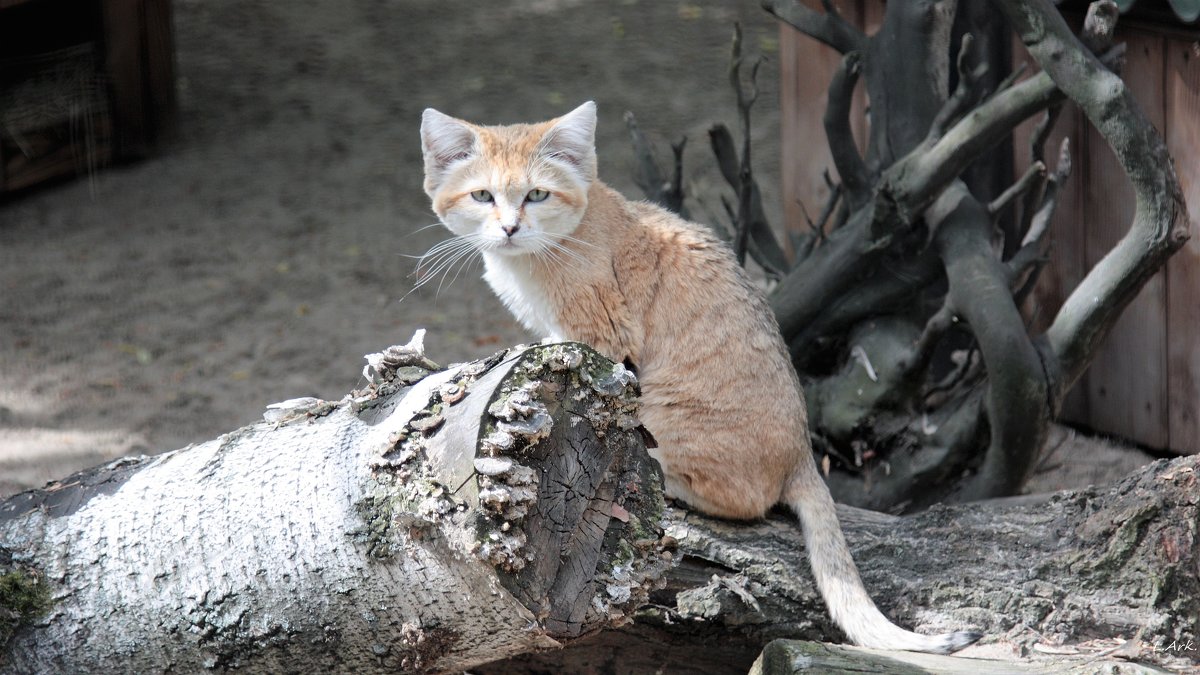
593	540
537	462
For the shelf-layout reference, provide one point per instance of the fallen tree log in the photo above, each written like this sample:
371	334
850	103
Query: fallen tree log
364	535
1114	561
505	508
792	657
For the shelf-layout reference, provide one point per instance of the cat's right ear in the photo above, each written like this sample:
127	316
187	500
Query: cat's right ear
573	139
444	141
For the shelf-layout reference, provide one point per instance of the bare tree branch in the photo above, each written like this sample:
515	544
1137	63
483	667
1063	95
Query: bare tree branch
923	144
1039	223
847	253
905	189
965	94
850	166
922	351
1099	26
649	177
1159	225
829	28
891	288
914	181
752	232
1011	79
746	96
1036	171
907	93
1017	382
917	178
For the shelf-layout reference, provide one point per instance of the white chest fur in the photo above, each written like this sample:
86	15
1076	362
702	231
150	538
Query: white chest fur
512	280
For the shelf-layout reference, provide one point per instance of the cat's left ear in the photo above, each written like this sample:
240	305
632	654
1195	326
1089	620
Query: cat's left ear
444	141
572	139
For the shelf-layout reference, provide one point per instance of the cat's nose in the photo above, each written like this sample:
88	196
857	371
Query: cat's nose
510	230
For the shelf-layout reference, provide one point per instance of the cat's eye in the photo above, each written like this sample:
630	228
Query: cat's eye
481	196
537	195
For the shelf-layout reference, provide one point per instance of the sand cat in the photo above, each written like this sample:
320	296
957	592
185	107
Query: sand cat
574	260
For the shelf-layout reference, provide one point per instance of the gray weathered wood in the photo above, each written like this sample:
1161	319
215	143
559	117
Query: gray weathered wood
1116	561
787	657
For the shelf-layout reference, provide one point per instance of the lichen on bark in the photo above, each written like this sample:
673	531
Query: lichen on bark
24	596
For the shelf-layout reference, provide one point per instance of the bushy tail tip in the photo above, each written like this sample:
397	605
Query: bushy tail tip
952	642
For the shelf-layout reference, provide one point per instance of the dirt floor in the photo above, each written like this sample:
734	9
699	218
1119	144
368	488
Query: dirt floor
267	249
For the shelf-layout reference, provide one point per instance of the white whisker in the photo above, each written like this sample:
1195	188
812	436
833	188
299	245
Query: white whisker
443	265
563	250
555	256
467	262
574	240
424	227
449	243
444	268
546	259
441	258
426	269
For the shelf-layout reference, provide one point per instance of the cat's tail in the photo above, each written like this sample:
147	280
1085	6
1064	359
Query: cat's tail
837	576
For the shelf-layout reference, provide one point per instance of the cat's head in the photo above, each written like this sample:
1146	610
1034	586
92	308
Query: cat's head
510	187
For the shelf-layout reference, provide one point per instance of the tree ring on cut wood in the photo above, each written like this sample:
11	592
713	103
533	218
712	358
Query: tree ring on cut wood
581	488
543	452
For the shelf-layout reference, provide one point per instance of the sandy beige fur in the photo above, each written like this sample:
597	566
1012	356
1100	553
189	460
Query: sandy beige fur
640	284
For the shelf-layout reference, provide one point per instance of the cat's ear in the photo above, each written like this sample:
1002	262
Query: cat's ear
444	141
572	139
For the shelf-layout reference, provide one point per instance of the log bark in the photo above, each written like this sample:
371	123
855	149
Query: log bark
787	657
1117	561
361	535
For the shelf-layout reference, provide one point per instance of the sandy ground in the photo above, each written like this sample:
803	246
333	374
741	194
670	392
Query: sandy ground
266	250
263	253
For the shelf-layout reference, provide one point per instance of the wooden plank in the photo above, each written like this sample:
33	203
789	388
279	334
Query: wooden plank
1067	262
159	52
123	30
52	157
1183	270
790	107
806	66
1127	383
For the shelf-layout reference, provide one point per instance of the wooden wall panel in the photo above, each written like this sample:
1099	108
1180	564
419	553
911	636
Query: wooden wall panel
1127	384
1182	111
139	59
159	54
806	66
123	37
